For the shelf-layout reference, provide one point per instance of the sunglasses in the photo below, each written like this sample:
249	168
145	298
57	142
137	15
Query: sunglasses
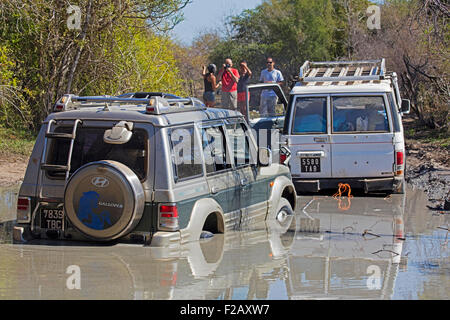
269	62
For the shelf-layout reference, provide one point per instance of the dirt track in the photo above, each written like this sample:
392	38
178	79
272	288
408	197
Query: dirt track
428	169
12	169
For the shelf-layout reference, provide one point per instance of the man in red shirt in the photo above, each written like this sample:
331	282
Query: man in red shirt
230	78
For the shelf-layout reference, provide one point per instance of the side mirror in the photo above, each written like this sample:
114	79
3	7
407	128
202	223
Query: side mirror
265	157
119	134
406	106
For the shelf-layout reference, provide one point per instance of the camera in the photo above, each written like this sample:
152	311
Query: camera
227	66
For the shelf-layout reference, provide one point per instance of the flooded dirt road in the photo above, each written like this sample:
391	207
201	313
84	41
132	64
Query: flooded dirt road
374	247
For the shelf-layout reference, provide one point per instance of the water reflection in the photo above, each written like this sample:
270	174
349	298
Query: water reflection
8	198
378	248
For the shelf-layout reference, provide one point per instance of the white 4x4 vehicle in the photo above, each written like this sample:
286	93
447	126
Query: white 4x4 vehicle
344	125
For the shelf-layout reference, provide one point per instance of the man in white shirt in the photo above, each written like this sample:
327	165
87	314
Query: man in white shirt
269	97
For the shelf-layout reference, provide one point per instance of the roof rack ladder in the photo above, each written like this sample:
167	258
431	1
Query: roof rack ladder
64	136
52	167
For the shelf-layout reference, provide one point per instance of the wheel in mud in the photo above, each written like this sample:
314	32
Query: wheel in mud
104	200
284	213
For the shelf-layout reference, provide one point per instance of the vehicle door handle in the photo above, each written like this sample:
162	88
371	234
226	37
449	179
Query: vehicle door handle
244	181
320	139
312	154
214	190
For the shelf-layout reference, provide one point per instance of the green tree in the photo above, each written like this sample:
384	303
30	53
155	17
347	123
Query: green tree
49	58
291	31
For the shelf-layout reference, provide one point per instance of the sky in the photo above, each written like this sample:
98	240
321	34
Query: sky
208	15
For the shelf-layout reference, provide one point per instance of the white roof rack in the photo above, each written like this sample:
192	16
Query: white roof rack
335	71
152	105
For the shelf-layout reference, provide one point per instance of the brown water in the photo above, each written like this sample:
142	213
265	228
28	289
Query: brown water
359	248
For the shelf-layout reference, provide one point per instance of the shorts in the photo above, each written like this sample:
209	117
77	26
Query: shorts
241	102
229	100
241	96
209	96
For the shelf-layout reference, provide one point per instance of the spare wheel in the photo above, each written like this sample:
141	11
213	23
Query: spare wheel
104	200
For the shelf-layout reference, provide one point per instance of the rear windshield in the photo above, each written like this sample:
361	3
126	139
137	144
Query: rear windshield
310	115
89	146
359	114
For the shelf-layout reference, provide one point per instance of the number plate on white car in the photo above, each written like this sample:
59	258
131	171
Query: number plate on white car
52	218
310	164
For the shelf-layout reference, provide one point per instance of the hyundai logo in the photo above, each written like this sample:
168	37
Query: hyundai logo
100	182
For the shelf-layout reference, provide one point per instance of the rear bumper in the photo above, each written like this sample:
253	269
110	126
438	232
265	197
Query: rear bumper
366	184
22	234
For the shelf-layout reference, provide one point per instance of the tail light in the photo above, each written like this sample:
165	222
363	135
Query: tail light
23	209
168	217
283	158
284	154
399	162
58	107
399	157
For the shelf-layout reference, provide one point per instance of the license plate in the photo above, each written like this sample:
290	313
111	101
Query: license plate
310	164
52	218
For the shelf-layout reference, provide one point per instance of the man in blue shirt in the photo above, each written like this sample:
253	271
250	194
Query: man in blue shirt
269	97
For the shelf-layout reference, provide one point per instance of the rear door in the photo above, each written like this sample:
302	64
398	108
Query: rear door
308	138
362	138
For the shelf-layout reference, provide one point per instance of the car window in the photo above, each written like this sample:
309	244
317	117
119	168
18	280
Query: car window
240	144
89	146
359	114
394	112
214	149
264	103
310	115
186	153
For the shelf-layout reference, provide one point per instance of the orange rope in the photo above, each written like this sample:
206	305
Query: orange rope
343	187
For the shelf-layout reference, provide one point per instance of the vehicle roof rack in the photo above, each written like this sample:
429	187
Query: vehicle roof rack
153	105
335	71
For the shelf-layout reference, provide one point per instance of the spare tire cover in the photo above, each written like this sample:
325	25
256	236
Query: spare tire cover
104	200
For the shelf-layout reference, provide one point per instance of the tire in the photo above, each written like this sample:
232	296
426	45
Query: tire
284	214
282	229
401	189
104	200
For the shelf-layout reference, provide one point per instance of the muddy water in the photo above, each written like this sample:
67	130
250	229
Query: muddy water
360	248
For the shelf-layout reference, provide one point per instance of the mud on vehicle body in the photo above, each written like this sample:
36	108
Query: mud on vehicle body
152	170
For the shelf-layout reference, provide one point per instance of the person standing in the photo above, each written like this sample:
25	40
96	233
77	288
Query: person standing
245	74
230	78
269	97
209	80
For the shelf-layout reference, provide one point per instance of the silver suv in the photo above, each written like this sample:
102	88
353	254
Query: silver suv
152	170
